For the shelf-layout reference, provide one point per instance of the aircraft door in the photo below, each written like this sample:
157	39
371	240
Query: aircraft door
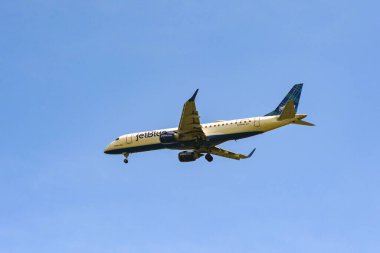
256	122
129	139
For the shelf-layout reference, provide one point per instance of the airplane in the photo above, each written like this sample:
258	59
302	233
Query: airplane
195	140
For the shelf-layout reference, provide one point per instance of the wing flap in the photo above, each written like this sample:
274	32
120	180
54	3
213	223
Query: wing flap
228	154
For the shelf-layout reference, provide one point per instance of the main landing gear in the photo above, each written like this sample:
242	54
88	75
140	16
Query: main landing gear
126	158
209	157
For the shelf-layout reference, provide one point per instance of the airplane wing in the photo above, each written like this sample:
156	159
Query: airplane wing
189	126
229	154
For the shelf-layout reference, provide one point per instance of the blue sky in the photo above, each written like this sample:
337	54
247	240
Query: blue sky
77	74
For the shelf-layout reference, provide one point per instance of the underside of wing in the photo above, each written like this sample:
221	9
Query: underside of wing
229	154
189	126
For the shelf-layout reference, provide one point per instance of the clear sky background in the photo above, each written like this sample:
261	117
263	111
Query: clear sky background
76	74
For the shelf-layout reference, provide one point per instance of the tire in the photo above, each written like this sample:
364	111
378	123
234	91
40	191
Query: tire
125	160
209	158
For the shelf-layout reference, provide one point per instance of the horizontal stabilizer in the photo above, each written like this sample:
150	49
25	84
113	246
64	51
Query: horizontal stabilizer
304	123
288	112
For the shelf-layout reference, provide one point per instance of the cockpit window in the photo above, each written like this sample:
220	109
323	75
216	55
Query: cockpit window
117	139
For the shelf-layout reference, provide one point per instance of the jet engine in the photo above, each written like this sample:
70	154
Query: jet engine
168	137
187	156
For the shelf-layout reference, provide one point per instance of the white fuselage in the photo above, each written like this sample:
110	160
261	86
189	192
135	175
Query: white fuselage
217	132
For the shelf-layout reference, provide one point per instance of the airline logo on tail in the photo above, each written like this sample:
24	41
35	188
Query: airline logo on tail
293	95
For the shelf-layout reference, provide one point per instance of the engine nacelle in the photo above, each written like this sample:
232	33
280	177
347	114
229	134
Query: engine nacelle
168	137
187	156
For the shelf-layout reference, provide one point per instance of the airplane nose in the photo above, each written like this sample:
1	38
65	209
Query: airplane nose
107	150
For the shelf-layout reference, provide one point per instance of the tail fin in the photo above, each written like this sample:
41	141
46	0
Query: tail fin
293	95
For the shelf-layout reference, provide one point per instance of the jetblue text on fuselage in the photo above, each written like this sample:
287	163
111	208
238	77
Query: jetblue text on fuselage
148	135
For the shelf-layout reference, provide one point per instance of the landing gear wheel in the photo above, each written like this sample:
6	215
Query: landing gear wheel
126	157
209	158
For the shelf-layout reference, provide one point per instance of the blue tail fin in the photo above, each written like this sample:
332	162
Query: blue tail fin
293	95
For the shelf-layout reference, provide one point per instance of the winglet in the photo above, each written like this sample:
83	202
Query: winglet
194	95
250	154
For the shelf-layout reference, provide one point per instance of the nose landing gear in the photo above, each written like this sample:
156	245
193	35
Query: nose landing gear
126	158
209	157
